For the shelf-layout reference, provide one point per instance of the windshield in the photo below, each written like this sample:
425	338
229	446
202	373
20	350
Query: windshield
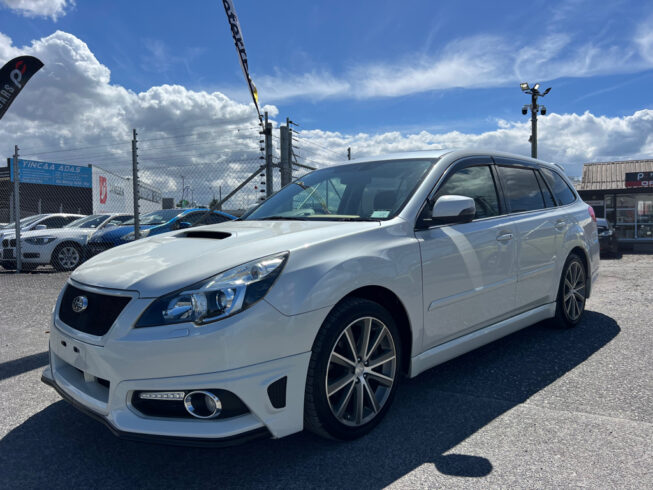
157	217
23	222
354	192
92	221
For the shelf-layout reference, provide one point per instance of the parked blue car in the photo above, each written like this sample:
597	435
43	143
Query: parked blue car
154	223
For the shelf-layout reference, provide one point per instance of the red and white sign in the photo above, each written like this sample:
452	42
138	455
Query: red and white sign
104	189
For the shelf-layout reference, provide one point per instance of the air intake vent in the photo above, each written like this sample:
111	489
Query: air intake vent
211	235
277	392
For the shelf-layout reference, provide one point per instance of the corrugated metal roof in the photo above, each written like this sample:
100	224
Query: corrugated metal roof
611	175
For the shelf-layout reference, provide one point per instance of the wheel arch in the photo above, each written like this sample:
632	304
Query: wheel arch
390	301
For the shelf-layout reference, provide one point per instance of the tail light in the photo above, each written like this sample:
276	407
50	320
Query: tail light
592	214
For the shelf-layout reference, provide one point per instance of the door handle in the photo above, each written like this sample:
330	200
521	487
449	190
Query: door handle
504	237
560	224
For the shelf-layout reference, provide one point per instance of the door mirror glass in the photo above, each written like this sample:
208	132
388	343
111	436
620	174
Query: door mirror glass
453	209
184	224
40	227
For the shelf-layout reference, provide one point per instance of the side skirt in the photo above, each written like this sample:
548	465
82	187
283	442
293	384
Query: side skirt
454	348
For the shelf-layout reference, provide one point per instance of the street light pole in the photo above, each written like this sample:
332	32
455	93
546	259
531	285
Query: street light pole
534	92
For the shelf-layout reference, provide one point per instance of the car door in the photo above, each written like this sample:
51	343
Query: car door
536	221
468	269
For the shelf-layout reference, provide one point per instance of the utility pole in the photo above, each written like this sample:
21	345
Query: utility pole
183	190
137	217
285	147
220	195
349	153
534	92
19	256
269	182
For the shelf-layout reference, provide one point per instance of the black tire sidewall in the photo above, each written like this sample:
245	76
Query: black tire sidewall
335	324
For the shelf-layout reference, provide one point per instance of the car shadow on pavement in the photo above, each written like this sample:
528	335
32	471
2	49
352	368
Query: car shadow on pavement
432	414
22	365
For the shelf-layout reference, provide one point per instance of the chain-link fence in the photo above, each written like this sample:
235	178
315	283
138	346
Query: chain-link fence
75	202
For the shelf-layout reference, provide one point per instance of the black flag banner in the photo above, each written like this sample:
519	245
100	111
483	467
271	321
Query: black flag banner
13	77
240	47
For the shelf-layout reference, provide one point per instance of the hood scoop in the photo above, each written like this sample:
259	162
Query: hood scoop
211	235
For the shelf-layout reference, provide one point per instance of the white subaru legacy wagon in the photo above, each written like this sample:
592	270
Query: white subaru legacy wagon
308	311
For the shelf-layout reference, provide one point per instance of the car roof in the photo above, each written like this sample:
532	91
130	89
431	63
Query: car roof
452	154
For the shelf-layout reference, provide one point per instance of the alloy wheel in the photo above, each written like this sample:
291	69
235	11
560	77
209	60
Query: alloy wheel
574	291
68	257
361	371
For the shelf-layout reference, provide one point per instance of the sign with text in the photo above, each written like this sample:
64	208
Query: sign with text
639	179
34	172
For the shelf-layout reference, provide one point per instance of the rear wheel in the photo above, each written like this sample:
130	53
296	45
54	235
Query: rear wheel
354	370
66	257
572	293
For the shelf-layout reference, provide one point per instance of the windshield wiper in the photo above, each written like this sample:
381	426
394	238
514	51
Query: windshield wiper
291	218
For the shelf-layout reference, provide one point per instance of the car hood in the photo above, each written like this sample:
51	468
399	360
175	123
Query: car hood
164	263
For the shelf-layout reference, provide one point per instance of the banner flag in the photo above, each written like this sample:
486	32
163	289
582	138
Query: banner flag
13	77
237	33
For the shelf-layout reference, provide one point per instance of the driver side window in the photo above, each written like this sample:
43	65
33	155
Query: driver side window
475	182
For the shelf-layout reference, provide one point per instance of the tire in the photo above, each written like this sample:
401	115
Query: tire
8	265
66	257
335	365
570	307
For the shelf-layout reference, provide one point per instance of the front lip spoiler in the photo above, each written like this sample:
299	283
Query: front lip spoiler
252	435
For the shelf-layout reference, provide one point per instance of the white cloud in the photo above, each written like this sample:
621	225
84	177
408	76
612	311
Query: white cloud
71	103
568	139
39	8
478	61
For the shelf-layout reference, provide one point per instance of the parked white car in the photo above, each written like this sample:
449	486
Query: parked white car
39	222
307	311
63	248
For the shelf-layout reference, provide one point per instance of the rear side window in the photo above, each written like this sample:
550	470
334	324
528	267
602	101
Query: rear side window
521	189
546	192
477	183
560	188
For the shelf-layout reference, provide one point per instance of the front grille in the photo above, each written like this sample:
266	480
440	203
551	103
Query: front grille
99	315
9	243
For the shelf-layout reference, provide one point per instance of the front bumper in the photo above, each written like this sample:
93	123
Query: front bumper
261	433
73	374
243	355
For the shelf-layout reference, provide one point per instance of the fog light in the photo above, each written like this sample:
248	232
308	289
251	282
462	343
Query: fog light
202	404
162	395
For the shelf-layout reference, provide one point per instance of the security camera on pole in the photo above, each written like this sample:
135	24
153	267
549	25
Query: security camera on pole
534	92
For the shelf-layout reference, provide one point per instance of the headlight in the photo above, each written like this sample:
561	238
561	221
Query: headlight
132	235
605	233
218	297
40	240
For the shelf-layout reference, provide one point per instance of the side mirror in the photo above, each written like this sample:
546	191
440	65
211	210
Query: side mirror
40	227
453	209
183	225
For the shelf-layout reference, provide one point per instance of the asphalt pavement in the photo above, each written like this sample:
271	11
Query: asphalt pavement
542	408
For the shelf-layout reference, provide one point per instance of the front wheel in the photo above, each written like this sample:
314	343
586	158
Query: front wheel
354	370
572	293
66	257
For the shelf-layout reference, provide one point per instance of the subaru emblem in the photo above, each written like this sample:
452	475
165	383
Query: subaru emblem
80	303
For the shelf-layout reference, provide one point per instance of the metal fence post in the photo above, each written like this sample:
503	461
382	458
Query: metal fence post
284	165
19	257
137	218
269	178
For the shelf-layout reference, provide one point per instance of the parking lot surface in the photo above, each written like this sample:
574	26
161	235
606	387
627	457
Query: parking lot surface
540	408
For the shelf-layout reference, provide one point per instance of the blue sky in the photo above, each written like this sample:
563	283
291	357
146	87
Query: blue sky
375	75
148	43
